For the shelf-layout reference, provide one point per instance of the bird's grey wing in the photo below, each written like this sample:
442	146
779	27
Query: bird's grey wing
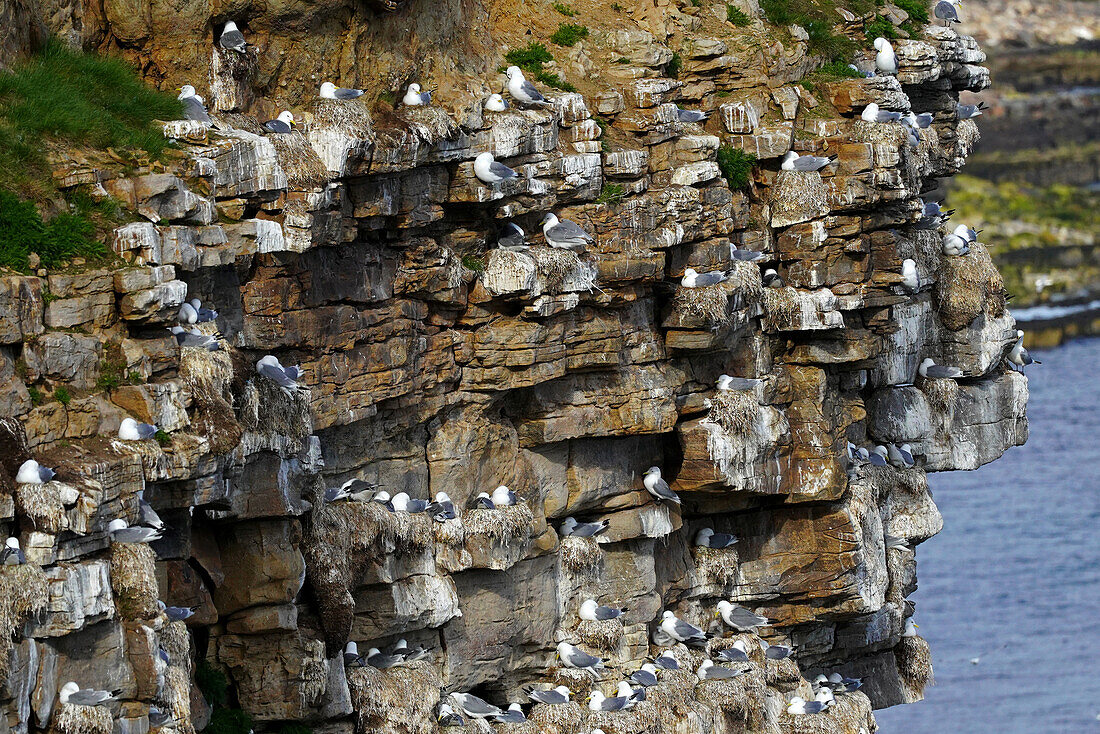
276	375
705	279
733	654
687	630
475	706
233	40
195	110
146	430
276	126
946	11
924	120
777	652
884	116
87	697
876	460
604	613
425	98
940	372
581	659
342	93
643	678
502	170
530	91
746	255
568	230
664	491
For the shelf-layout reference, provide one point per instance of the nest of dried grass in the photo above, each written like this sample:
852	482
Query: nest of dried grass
782	305
877	132
799	196
176	641
673	697
510	265
782	674
643	717
580	554
41	505
736	411
849	713
578	681
451	533
304	169
71	719
942	395
400	700
566	718
708	305
914	659
24	591
503	524
350	118
967	134
209	377
741	697
602	634
562	270
175	697
966	285
719	566
134	580
275	411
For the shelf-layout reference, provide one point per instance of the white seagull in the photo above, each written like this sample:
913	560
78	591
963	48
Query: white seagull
522	90
886	61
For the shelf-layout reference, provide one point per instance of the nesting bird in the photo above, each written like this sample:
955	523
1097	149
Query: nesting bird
592	612
777	652
572	656
739	618
707	538
736	654
969	111
504	497
474	707
194	108
496	103
232	39
919	122
512	237
484	502
799	706
900	456
709	671
910	280
658	487
551	697
795	162
872	113
442	509
680	630
12	555
489	171
929	369
645	676
597	701
131	430
666	661
403	503
282	124
195	339
885	61
771	279
522	90
690	115
176	614
415	98
202	314
693	279
747	256
331	91
564	234
31	472
911	628
956	243
570	527
513	715
120	532
285	377
73	694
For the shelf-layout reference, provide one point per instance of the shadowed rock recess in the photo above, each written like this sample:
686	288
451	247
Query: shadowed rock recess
363	249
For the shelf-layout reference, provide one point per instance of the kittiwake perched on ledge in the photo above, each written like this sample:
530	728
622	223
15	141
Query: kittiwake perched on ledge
739	618
571	528
645	676
909	278
284	123
690	115
658	487
885	61
551	697
726	383
795	162
270	367
202	314
176	614
920	122
969	111
776	652
496	103
474	707
73	694
415	98
522	90
592	612
573	657
564	234
709	671
929	369
899	456
680	630
193	106
232	39
131	430
707	538
489	171
504	497
666	661
799	706
403	503
442	509
599	702
1019	355
331	91
946	11
483	502
31	472
514	715
736	654
195	339
120	532
693	279
872	113
746	256
512	237
12	555
771	279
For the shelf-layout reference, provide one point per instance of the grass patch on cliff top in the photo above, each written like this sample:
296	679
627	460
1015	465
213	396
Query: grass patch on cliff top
568	34
818	18
531	58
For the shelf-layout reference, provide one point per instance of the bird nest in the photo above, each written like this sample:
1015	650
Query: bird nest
942	395
176	641
719	565
967	136
602	634
847	714
782	305
24	591
41	504
451	533
782	674
642	717
879	132
349	117
565	718
966	286
504	524
561	271
673	697
509	266
910	480
399	700
272	410
175	698
134	580
914	660
736	411
798	196
577	681
708	305
580	554
72	719
303	167
209	376
742	697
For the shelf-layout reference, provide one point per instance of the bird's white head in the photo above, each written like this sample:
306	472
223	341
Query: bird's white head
373	651
771	273
287	117
690	272
668	614
67	690
654	471
564	690
484	158
442	497
12	543
114	525
928	362
351	647
513	71
881	44
789	159
382	497
549	220
414	88
703	536
186	91
724	606
328	90
229	26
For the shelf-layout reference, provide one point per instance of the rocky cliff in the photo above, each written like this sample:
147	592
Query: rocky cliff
362	249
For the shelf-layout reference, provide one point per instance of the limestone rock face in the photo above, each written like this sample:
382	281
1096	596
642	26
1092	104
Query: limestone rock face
363	250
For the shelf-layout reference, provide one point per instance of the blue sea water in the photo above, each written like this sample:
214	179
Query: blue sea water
1013	580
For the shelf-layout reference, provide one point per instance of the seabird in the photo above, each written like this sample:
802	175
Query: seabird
176	614
194	339
336	494
202	314
909	278
666	661
861	72
383	498
489	171
474	707
131	430
193	107
408	654
777	652
629	692
970	111
415	98
825	696
12	555
739	618
725	383
645	676
877	456
911	628
658	487
31	472
1018	355
892	541
693	279
771	279
120	532
403	503
484	502
680	630
709	671
690	115
872	113
967	234
947	12
932	215
158	718
496	103
514	715
745	256
574	657
504	497
599	702
933	371
899	456
442	509
735	654
844	684
799	706
591	612
564	234
795	162
707	538
271	368
522	90
352	658
331	91
354	489
447	716
146	514
187	314
284	123
73	694
955	244
512	237
551	697
919	122
570	527
885	61
232	39
378	659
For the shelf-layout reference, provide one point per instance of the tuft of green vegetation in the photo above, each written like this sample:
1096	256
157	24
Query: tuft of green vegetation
917	10
36	396
672	68
622	60
64	96
564	9
62	395
737	16
830	72
616	7
551	79
611	194
529	58
388	98
212	683
818	18
67	235
568	34
736	166
229	721
162	437
472	262
880	26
